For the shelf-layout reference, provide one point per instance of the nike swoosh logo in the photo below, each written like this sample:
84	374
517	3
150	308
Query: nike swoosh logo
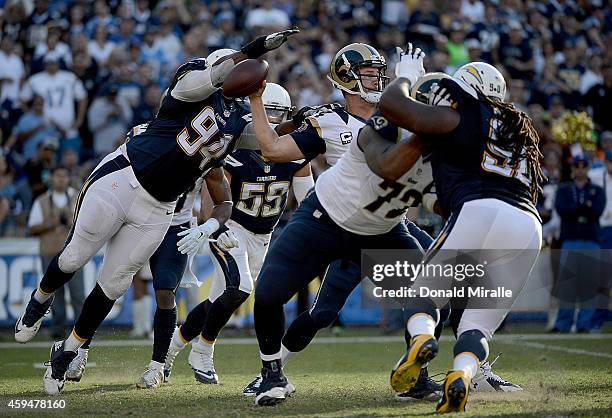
205	374
169	212
17	327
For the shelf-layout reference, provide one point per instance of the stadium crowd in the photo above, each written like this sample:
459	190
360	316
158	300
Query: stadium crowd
75	75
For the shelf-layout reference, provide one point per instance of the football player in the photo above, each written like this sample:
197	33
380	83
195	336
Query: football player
259	191
485	162
351	208
129	199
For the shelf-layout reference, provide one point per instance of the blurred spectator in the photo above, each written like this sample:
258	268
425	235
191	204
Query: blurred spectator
602	177
579	204
10	202
599	100
70	161
515	53
455	46
12	72
38	169
424	25
148	108
34	128
266	17
100	48
473	10
51	219
53	49
62	91
570	72
109	117
102	17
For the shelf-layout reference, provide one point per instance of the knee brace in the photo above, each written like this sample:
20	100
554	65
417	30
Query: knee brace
472	341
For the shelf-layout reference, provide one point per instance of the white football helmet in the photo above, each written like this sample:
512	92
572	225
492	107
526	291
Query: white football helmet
219	53
277	102
482	77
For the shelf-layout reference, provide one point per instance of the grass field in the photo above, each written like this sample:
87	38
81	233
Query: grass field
562	376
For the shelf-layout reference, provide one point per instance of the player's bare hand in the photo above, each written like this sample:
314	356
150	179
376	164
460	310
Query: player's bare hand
410	63
259	92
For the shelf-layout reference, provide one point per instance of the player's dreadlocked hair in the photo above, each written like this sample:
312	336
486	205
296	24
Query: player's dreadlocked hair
516	134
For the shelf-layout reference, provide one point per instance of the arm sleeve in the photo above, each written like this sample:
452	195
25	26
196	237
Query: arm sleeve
384	128
309	138
197	85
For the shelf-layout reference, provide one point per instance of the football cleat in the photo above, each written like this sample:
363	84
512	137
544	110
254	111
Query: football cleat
55	376
487	381
251	388
423	348
152	378
77	366
454	393
173	351
273	389
425	388
201	361
29	322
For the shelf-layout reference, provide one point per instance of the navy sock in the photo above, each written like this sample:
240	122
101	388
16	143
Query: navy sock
164	323
95	308
195	321
54	277
300	333
220	312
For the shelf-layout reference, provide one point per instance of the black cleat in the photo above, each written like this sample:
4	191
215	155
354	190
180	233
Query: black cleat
425	388
29	323
274	387
55	376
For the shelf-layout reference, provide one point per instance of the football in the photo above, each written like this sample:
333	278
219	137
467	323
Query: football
245	78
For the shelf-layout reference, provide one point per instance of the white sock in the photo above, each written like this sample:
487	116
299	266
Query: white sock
177	337
286	354
72	343
421	323
270	357
147	316
41	297
204	345
156	365
466	362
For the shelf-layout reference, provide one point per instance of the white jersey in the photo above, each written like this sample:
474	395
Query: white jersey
327	132
362	202
60	91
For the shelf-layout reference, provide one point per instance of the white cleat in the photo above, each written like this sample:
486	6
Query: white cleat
487	381
55	376
77	366
29	322
201	361
152	378
173	351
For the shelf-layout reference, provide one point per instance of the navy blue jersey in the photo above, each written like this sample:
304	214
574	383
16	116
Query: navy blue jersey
185	139
466	163
259	189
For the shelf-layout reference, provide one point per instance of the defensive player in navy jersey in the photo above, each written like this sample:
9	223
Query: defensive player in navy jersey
259	190
129	199
485	162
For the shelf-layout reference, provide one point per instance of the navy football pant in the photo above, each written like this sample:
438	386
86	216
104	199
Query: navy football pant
308	244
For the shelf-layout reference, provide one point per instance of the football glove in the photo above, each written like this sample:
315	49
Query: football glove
227	241
439	96
307	111
410	63
263	44
193	238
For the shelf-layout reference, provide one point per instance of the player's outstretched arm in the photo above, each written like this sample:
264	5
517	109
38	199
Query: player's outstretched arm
402	110
302	183
280	149
387	159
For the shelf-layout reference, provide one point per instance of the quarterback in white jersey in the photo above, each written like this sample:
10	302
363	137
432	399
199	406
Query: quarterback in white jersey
61	90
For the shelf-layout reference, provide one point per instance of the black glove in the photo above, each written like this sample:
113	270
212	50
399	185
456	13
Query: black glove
306	111
263	44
